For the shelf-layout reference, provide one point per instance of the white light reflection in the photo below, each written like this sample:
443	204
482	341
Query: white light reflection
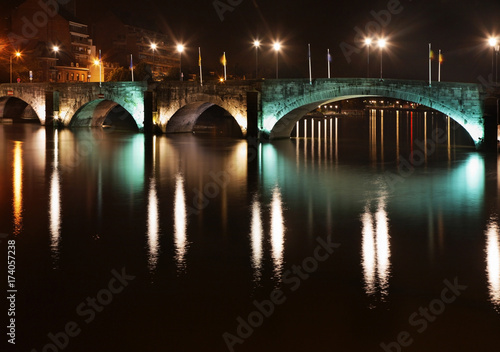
55	202
277	233
17	186
153	225
256	237
493	261
376	251
180	217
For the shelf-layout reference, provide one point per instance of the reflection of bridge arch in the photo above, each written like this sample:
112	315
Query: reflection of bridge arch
462	102
102	111
185	118
18	109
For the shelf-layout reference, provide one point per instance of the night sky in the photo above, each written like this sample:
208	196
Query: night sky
458	28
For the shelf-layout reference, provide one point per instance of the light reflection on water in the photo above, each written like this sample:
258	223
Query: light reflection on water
376	251
180	223
256	238
277	233
153	225
17	186
55	201
493	260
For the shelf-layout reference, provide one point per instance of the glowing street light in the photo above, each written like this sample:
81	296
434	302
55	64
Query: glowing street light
17	54
153	47
368	42
493	42
98	62
277	47
381	44
180	49
256	44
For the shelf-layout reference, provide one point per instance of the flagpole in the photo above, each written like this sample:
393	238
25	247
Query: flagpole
132	67
439	67
329	59
199	63
310	68
225	63
430	65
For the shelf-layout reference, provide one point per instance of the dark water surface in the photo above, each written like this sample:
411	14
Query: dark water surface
172	243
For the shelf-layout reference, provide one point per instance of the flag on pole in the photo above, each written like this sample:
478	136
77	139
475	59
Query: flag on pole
310	69
199	63
441	59
224	63
431	55
132	67
329	60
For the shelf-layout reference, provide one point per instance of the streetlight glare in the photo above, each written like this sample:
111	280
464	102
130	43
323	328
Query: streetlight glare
18	54
493	41
382	43
256	43
180	48
96	62
277	46
153	46
368	41
55	48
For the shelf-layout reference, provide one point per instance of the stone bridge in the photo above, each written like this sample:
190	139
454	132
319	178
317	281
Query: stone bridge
267	108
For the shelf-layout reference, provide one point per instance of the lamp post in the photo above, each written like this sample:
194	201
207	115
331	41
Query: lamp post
55	49
256	44
180	49
153	47
493	42
98	62
381	44
277	47
16	54
368	42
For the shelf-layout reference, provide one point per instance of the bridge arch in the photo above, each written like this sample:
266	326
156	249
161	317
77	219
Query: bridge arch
100	112
17	109
186	116
462	105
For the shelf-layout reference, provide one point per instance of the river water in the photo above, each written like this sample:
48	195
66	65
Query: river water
380	234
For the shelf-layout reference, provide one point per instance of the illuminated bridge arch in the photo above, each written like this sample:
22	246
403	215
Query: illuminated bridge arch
103	111
185	117
18	109
285	102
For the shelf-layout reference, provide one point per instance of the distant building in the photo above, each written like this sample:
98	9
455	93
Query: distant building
57	39
118	38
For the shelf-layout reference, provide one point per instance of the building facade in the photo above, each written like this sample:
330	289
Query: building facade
55	43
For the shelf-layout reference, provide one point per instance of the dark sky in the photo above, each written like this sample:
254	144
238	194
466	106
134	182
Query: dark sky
457	27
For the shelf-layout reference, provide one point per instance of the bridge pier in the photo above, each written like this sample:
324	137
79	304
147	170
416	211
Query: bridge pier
49	109
490	118
253	114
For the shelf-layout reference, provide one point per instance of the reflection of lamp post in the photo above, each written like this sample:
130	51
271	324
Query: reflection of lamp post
368	42
153	47
277	47
381	44
17	54
256	44
180	49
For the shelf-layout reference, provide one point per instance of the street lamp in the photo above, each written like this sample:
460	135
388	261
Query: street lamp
493	42
16	54
368	42
153	47
180	49
98	62
256	44
381	44
277	47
